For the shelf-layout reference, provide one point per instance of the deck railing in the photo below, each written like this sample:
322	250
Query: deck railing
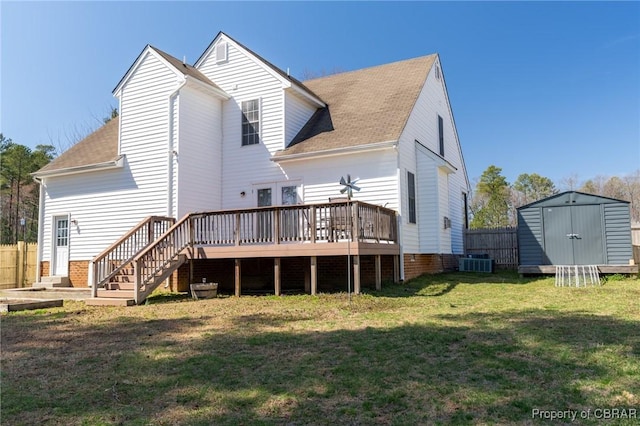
313	223
328	222
118	255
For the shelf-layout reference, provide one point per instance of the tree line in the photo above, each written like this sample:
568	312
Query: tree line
19	191
495	201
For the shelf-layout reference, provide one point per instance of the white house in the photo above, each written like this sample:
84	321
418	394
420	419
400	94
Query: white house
234	135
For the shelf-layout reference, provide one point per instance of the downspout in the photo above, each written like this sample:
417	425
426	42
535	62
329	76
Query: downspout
399	180
40	230
171	152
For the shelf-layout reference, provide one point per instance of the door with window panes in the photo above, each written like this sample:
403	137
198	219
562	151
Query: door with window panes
290	220
61	246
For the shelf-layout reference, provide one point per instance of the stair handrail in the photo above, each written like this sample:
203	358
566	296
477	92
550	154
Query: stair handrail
156	256
118	255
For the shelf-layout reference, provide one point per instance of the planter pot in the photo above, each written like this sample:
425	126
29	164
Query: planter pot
204	290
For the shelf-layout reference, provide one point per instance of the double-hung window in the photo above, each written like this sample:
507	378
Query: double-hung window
251	122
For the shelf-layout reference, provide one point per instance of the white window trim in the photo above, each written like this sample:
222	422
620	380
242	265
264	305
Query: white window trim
260	122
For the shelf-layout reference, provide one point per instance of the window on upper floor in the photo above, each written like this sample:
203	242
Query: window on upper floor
411	196
251	122
441	135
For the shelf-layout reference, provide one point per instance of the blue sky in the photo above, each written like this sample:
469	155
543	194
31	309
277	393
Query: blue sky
543	87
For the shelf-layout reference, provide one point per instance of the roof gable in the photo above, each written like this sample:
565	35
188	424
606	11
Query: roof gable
181	69
287	80
366	106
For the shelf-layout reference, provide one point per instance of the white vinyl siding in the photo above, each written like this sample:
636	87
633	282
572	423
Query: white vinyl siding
199	168
422	126
428	207
145	137
376	170
96	201
297	113
244	78
107	204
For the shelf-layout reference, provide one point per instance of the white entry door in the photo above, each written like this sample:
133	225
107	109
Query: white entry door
61	246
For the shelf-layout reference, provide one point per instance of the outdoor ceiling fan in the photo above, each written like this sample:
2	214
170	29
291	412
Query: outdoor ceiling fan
349	186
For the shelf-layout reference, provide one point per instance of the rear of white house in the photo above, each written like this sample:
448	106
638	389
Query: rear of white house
234	132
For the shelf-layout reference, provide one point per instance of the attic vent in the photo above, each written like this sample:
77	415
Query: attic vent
221	52
437	72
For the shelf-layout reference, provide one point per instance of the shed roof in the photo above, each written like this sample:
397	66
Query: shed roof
572	198
366	106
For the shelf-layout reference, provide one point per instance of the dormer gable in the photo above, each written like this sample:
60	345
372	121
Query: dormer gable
218	53
183	72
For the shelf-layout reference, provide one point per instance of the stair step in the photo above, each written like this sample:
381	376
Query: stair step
108	301
119	286
115	294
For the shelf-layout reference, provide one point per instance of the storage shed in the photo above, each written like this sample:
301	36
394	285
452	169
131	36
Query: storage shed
572	228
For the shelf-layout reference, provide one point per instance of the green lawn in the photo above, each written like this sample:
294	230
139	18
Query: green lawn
452	348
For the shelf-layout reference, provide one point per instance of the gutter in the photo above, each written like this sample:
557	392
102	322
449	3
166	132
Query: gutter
107	165
336	151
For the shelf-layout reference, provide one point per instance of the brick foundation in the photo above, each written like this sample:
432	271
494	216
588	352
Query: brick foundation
418	264
78	272
44	269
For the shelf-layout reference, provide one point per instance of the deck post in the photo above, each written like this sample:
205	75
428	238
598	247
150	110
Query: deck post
396	269
356	274
276	276
378	272
314	275
238	275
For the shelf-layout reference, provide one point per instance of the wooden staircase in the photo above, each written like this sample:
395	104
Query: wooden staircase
126	272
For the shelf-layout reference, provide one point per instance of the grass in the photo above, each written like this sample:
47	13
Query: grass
446	349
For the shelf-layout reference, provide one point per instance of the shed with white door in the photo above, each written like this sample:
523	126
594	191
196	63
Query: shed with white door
573	228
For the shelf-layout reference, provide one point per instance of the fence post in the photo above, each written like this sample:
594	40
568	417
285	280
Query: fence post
21	264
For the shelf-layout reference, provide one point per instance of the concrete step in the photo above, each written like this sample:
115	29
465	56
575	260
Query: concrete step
53	282
108	301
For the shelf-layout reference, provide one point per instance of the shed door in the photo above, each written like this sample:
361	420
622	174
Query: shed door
558	245
573	235
587	235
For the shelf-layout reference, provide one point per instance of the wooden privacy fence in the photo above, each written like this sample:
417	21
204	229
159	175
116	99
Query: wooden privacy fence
501	244
17	265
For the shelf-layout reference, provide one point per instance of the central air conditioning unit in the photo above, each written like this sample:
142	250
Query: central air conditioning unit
467	264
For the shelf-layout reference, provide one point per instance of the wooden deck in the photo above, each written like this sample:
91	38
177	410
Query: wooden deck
551	269
158	246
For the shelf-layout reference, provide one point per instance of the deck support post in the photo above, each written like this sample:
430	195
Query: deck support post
356	274
378	272
396	269
314	275
238	276
276	276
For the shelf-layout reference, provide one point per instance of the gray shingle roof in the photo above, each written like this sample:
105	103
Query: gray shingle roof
365	106
100	146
